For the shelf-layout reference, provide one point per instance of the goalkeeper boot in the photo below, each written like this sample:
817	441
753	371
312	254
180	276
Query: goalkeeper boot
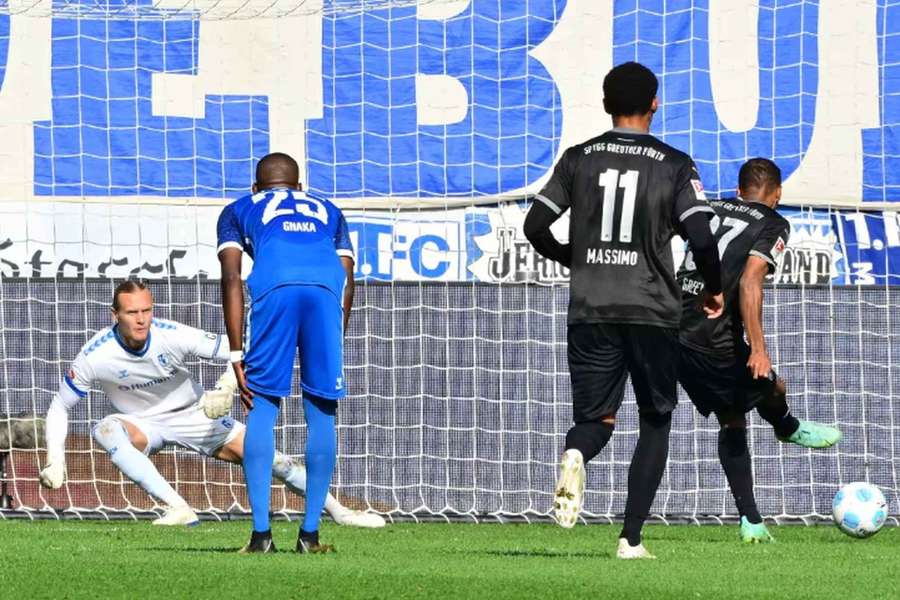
260	543
178	515
569	488
626	551
813	435
754	533
308	543
357	518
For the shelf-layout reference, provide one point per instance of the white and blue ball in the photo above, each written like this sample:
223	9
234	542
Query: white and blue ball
859	509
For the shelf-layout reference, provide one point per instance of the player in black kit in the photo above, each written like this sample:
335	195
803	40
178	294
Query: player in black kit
721	373
628	193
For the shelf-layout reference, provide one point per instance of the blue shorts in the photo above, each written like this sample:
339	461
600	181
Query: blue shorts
289	317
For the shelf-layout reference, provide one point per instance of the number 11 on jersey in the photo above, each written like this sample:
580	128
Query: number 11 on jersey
611	181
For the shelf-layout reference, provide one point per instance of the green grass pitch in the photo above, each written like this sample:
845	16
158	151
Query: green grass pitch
97	559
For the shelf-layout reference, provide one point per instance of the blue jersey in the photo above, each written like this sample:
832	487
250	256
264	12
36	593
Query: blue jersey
292	237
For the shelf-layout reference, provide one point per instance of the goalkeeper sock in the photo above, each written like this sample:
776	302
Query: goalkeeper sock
112	435
589	438
645	473
321	454
777	414
735	458
259	454
293	475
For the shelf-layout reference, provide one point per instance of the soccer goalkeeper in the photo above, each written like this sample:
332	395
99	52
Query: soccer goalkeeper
139	363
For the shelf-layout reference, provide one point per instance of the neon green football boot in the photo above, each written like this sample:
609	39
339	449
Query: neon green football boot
814	435
755	533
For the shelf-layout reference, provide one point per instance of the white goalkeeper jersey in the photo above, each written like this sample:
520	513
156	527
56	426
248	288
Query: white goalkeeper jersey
145	382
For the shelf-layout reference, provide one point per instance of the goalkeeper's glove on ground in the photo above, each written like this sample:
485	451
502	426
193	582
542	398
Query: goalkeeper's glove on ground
53	475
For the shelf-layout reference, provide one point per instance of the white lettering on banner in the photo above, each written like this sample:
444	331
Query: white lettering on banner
426	246
505	253
892	228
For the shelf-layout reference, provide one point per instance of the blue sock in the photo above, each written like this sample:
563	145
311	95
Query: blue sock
259	454
321	454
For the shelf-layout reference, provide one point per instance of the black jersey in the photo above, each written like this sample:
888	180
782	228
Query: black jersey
628	193
742	229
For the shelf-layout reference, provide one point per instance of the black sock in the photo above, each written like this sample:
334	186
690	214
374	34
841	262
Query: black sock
645	473
777	414
589	438
735	458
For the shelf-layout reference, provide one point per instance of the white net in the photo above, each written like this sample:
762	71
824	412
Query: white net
130	124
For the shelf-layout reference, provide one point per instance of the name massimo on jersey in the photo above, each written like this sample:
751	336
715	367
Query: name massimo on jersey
611	256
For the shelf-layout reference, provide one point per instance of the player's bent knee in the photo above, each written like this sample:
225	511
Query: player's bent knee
232	451
110	433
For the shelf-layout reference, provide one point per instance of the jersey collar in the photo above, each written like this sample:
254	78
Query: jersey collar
628	130
125	347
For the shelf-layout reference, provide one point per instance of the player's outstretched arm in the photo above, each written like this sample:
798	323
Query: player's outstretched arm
751	312
54	472
233	309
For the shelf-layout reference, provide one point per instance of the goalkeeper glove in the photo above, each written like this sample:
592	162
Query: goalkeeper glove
217	402
53	475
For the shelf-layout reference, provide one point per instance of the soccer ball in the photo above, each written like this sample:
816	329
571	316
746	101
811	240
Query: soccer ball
859	509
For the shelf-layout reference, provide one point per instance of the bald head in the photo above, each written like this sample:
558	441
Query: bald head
277	170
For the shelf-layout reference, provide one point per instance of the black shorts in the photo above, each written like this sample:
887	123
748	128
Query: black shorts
602	355
725	386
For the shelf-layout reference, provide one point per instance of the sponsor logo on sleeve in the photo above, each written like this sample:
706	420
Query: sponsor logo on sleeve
778	248
698	189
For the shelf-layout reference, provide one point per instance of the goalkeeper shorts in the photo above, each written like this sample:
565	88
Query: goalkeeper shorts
288	318
188	428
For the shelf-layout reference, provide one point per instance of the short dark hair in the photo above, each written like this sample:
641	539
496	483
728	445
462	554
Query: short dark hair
629	89
127	287
759	174
277	166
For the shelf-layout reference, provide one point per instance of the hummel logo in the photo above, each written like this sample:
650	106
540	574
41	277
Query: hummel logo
123	373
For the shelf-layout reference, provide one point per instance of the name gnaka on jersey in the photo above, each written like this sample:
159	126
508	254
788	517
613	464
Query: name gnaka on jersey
302	226
611	256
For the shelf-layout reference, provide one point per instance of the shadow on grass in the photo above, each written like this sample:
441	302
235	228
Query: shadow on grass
537	553
200	550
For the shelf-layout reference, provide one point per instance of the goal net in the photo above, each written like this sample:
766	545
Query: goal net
128	125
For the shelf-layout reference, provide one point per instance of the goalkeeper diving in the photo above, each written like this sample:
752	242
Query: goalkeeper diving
139	363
